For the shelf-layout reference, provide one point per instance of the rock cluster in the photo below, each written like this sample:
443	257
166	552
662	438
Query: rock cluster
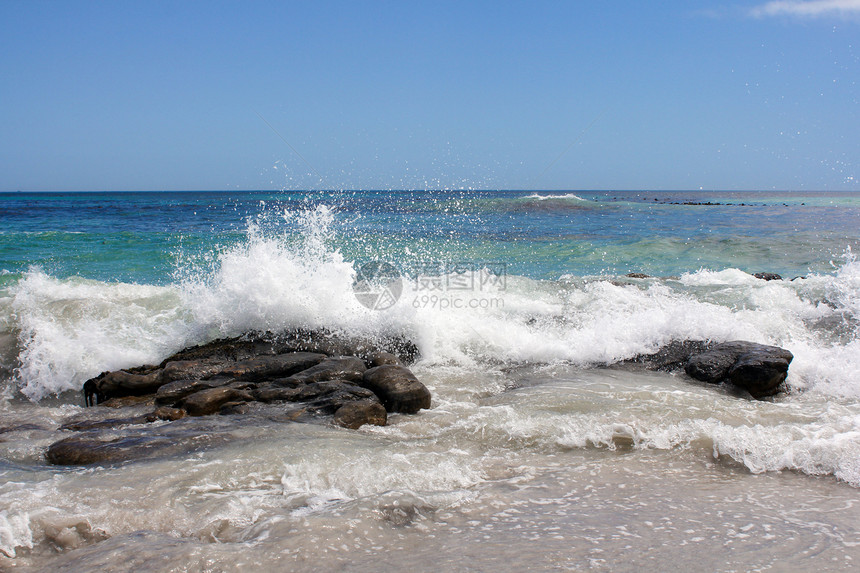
318	374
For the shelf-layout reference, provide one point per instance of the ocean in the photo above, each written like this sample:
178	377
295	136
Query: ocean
537	453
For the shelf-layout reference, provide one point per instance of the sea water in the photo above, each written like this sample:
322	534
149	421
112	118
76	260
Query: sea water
534	454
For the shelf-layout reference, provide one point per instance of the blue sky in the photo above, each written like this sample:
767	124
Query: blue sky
404	95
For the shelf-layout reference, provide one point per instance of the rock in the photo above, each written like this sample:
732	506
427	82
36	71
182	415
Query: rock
355	414
118	384
309	373
768	276
756	368
174	391
234	408
85	449
106	448
86	425
268	367
126	401
333	344
638	276
270	393
162	413
711	366
380	358
328	397
343	368
397	388
166	414
761	373
81	450
191	370
21	428
209	401
225	350
673	356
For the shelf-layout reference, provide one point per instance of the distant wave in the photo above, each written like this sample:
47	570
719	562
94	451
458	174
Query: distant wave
550	203
566	196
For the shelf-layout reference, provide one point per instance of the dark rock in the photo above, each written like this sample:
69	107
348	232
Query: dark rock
275	393
253	357
638	276
756	368
118	384
711	366
761	373
162	413
174	391
380	358
135	443
397	388
128	401
21	428
343	368
89	448
309	373
225	350
673	356
267	367
768	276
84	450
190	370
328	397
333	344
234	408
353	415
86	425
166	414
209	401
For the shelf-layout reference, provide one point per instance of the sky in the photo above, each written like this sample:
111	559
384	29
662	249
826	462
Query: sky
576	95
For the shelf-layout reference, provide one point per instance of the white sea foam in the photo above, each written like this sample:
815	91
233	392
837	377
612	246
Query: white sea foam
564	196
69	330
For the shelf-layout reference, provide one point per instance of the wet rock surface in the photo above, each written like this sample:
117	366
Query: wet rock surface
756	368
294	376
397	388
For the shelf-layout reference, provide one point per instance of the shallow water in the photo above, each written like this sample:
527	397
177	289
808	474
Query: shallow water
560	469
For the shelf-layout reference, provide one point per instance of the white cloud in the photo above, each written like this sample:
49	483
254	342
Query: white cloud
810	8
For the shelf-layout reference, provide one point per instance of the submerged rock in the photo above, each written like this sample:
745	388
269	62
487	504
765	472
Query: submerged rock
355	414
89	448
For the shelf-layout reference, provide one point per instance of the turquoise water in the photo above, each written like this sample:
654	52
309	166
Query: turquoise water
141	237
